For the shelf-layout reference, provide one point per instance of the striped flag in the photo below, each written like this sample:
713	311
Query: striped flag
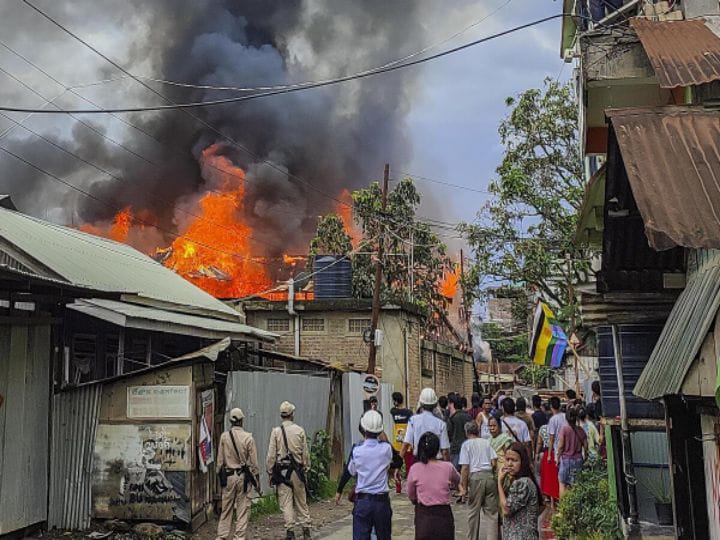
548	339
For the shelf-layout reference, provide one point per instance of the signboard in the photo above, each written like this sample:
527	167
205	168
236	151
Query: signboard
370	385
158	401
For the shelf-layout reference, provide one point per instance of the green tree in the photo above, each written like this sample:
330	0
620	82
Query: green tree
330	238
524	233
404	236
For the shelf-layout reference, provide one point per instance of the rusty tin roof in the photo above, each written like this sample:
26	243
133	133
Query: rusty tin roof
672	159
682	53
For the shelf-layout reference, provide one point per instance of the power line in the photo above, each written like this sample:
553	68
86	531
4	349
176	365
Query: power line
442	182
238	99
119	118
300	84
118	209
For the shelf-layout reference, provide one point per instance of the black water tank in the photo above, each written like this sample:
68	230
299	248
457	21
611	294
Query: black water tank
637	343
333	278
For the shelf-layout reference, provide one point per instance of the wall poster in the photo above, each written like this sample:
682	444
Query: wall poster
207	420
141	471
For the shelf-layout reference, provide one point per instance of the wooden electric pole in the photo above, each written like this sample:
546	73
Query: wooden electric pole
378	274
466	313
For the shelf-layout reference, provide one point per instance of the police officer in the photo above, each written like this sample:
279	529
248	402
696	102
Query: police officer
370	462
288	460
424	422
237	454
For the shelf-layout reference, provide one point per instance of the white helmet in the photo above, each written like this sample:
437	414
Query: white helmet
236	415
372	422
428	397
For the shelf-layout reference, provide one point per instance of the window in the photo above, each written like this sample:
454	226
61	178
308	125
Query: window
83	357
278	325
358	326
313	325
426	365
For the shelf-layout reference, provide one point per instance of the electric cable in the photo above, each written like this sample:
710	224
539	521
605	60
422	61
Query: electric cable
300	84
238	99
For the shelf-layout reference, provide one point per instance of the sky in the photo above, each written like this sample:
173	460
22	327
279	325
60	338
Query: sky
454	121
442	123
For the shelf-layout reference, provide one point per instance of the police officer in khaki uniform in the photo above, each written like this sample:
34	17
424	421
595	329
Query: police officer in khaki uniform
288	460
238	455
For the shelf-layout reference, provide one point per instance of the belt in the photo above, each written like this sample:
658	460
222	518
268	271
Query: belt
374	496
483	471
234	471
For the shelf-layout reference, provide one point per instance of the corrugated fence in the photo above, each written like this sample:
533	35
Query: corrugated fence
259	395
75	418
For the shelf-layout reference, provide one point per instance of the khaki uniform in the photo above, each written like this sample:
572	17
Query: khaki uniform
293	502
233	495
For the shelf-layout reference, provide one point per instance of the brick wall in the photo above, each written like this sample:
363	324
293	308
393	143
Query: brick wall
452	370
336	344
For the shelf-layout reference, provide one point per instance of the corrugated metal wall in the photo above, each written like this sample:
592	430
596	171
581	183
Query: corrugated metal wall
259	395
75	419
25	385
637	342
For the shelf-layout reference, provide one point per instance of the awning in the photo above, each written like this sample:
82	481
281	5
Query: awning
682	53
591	222
681	338
672	159
159	320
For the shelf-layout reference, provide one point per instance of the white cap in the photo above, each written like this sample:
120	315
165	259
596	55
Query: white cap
428	397
286	408
236	414
372	422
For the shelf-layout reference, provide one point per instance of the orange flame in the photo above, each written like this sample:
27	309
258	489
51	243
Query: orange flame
118	230
448	284
344	209
214	252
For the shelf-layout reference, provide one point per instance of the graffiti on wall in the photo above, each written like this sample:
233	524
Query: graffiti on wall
141	471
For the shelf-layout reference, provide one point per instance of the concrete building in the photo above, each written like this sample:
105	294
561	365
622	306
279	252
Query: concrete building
335	330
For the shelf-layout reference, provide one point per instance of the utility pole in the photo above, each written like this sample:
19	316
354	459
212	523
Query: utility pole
466	314
412	264
378	274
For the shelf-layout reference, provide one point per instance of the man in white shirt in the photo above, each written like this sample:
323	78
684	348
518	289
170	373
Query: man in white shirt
514	426
477	461
555	424
420	424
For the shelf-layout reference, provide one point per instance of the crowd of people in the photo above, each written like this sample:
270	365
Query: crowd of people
504	460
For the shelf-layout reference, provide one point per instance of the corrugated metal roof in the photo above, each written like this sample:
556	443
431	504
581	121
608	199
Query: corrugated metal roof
682	53
160	320
672	159
90	261
682	336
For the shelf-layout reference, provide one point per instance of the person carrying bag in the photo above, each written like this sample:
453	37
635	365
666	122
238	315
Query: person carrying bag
237	471
288	460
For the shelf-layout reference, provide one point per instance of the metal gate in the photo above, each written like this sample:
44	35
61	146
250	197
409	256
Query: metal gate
24	414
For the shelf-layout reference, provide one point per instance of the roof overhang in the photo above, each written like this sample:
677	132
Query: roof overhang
159	320
682	53
682	336
672	159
